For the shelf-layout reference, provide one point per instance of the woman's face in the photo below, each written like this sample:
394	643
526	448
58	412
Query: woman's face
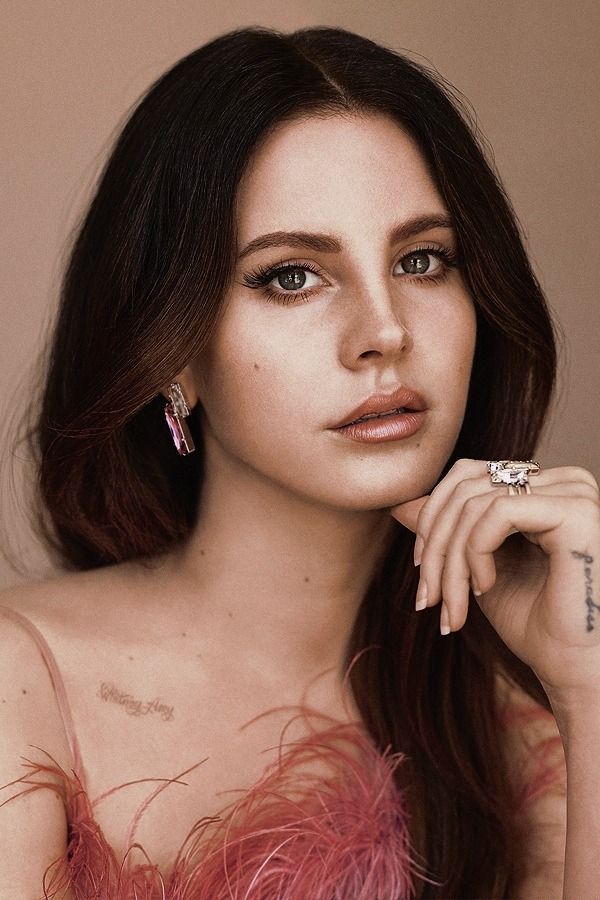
291	358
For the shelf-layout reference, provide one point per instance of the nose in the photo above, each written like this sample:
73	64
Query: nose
375	328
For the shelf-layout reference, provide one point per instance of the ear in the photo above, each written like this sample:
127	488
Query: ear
188	386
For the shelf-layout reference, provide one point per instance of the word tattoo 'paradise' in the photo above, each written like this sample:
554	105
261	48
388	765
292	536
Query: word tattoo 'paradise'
589	598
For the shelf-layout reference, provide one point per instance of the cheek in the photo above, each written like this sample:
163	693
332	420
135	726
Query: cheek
256	382
459	330
463	342
447	328
451	350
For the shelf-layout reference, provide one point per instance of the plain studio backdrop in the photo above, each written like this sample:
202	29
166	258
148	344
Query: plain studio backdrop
71	70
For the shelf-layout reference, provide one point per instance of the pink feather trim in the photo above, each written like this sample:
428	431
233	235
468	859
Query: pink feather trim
293	835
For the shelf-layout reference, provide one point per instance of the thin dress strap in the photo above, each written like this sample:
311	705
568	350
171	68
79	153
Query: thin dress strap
57	684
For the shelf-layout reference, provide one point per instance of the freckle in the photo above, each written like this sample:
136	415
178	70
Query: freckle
183	634
130	657
306	578
202	553
4	701
199	655
256	366
230	614
23	691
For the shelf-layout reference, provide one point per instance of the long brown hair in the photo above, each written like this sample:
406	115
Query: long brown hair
142	295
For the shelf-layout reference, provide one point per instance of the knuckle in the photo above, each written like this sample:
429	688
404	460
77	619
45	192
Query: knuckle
464	464
471	544
588	490
590	509
502	500
578	473
465	488
421	525
476	502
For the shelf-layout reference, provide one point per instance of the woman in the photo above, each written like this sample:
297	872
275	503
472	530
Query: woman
295	232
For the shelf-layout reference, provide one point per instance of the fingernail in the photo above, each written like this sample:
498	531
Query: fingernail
421	596
475	588
444	620
418	550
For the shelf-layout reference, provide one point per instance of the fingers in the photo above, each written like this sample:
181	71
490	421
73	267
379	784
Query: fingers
464	469
450	526
408	513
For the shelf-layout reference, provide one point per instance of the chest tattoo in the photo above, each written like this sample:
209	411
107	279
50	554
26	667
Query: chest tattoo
110	693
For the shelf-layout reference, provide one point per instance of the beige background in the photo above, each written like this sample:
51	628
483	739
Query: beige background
72	68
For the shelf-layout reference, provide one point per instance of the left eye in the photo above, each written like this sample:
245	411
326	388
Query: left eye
418	262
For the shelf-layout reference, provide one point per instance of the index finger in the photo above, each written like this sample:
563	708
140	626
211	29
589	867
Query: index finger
461	470
408	513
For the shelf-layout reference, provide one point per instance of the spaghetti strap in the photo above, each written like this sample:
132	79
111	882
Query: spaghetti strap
57	684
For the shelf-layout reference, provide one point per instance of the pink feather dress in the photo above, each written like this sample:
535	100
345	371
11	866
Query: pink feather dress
340	836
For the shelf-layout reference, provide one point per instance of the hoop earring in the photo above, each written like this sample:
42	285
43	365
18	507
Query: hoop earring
175	414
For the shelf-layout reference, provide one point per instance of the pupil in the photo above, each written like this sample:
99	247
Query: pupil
416	263
293	278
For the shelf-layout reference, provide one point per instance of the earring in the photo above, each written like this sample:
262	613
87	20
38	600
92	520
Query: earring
175	413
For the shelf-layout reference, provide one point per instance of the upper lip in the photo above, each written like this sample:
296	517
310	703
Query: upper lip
380	403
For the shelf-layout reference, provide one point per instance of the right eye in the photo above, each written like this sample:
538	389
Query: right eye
291	277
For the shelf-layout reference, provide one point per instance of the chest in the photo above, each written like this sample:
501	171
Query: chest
324	823
139	732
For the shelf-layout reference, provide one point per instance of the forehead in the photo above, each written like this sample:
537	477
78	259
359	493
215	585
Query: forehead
321	172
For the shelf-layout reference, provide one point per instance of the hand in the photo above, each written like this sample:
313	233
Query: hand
545	603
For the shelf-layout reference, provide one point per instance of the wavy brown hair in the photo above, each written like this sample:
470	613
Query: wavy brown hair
142	294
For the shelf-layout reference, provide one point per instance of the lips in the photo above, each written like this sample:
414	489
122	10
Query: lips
403	398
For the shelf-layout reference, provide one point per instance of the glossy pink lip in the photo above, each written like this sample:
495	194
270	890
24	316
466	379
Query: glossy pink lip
402	397
393	427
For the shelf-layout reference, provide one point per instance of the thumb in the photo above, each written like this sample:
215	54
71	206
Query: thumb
408	513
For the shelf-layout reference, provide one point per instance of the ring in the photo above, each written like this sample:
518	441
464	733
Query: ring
514	473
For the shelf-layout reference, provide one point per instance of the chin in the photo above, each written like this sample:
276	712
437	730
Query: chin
368	498
389	483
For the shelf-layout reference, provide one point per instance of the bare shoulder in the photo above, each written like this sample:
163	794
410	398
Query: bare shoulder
29	707
68	612
63	590
532	742
67	603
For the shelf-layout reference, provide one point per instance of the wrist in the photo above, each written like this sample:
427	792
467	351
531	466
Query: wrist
577	713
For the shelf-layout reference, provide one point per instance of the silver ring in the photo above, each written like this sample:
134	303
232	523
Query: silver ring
514	473
519	488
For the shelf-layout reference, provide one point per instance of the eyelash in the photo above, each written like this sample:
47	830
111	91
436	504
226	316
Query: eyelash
262	275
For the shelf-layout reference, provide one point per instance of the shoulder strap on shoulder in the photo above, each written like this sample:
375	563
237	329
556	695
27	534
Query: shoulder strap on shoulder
57	684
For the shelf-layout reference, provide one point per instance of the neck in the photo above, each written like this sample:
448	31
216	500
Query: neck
277	580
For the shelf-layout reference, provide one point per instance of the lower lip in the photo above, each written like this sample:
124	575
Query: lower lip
389	428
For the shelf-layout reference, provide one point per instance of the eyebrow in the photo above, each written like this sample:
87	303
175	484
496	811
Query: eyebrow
329	243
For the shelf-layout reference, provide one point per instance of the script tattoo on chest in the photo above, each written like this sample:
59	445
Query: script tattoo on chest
589	594
110	693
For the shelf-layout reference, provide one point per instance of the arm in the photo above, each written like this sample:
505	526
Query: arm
532	744
33	827
579	726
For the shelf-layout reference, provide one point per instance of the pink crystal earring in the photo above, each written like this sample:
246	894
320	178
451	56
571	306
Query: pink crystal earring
176	411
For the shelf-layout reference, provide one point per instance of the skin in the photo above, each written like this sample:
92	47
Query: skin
292	517
187	652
